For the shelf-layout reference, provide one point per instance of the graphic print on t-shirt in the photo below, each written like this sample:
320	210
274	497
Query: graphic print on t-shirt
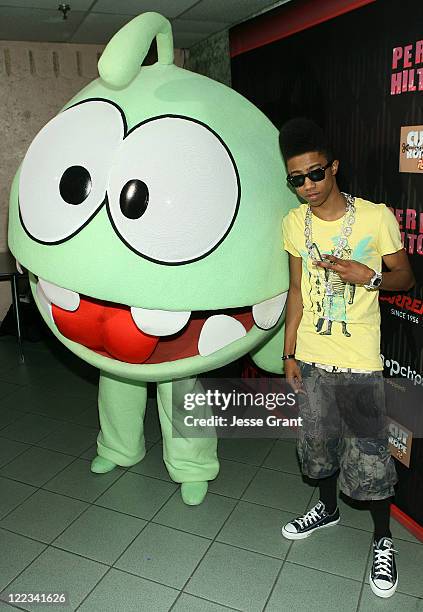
329	294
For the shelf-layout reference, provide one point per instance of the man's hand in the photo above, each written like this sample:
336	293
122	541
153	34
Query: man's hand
348	270
293	376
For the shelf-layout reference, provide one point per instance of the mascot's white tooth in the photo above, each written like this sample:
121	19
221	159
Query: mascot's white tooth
217	332
64	298
19	267
267	313
159	322
44	301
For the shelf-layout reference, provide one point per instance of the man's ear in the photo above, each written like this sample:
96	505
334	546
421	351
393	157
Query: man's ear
335	166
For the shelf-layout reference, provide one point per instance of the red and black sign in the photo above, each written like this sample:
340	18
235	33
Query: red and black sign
359	74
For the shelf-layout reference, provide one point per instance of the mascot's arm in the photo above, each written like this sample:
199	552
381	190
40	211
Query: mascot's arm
268	355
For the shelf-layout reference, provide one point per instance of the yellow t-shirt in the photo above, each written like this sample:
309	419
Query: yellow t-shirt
340	325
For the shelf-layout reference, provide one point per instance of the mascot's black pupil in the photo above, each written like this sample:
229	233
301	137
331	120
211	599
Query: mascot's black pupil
75	185
134	199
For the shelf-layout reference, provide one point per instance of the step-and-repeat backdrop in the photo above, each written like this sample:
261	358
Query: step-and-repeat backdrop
360	76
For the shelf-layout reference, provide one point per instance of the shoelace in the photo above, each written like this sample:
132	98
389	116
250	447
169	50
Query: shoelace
311	517
383	562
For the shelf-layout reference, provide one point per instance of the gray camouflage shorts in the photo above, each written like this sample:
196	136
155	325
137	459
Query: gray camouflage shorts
344	428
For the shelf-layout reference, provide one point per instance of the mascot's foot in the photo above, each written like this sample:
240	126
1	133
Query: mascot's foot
193	493
100	465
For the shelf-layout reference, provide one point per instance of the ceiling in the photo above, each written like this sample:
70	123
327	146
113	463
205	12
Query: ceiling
95	21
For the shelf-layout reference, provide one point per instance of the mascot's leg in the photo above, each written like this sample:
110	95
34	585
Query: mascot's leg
121	405
190	461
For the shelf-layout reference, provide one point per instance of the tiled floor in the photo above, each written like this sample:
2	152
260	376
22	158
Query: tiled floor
124	541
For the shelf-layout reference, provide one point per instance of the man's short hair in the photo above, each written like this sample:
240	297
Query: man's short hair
301	135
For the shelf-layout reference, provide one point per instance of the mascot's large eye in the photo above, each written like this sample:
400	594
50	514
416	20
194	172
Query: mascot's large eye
134	199
174	190
64	174
75	185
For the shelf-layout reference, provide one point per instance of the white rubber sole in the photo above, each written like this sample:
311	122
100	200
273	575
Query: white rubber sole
385	593
301	536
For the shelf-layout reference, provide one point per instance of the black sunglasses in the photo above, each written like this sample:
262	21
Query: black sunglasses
316	175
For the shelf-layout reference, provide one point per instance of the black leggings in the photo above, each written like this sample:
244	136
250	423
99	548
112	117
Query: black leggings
379	508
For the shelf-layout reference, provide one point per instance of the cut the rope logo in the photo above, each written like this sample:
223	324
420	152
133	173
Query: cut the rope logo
411	149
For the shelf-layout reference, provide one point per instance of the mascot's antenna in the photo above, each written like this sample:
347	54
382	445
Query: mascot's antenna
121	59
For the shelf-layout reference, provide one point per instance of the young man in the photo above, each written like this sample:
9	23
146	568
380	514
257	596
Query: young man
336	244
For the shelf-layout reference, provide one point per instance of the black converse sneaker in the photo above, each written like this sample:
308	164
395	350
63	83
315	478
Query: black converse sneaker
383	575
316	518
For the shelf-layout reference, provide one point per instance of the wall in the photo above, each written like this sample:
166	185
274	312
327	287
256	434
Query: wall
211	58
36	80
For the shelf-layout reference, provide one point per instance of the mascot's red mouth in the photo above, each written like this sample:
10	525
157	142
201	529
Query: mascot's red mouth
109	329
147	336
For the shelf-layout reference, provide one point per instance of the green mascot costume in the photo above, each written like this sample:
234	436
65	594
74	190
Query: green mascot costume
148	213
